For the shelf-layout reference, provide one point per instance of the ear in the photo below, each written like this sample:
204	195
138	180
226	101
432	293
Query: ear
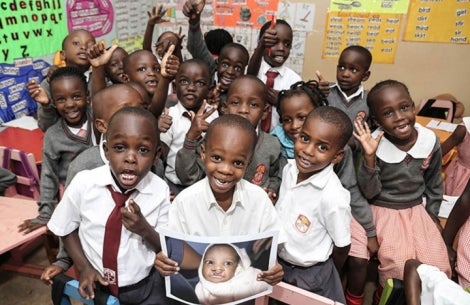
105	148
203	152
366	76
101	125
62	55
125	78
338	157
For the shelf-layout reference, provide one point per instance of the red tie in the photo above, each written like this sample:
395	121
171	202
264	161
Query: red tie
266	122
112	238
82	133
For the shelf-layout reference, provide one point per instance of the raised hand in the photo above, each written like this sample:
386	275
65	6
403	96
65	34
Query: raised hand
213	98
170	64
37	93
156	15
198	121
99	55
323	84
164	121
363	135
193	9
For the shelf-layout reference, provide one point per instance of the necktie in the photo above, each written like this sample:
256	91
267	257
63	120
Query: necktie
82	133
266	122
112	238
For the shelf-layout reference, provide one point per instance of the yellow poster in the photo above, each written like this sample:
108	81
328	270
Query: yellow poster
379	33
370	6
438	21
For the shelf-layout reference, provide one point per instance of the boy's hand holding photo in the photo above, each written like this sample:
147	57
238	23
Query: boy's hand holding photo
272	276
29	226
199	123
164	265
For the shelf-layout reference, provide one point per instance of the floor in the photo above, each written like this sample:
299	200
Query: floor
22	290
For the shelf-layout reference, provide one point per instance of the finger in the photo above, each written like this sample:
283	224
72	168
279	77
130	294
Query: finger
180	31
170	50
202	109
192	115
165	111
209	111
320	77
379	136
112	48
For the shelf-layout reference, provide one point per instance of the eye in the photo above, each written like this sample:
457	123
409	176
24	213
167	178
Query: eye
76	97
119	148
216	158
224	65
199	84
184	82
228	263
341	68
157	69
254	105
238	69
405	107
141	69
143	150
288	44
354	70
286	120
302	118
388	113
304	139
60	100
238	163
208	262
76	43
234	102
322	147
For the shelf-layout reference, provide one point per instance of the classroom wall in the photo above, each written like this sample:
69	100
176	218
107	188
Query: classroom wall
426	68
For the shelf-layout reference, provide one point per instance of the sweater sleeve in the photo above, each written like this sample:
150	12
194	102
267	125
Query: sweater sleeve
47	115
433	179
368	180
197	46
188	165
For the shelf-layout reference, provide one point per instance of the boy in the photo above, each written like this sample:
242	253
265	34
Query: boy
246	97
192	87
235	206
268	63
74	53
120	258
314	206
63	141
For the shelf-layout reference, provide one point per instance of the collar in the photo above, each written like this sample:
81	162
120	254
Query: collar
423	147
359	92
265	67
106	178
181	109
212	203
466	122
317	180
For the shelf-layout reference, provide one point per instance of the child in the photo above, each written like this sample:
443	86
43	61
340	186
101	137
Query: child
401	163
226	275
268	63
425	284
235	206
314	206
192	87
457	172
247	97
63	141
74	53
459	219
119	258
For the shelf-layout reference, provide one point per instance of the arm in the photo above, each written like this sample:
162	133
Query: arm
47	114
412	282
188	164
179	251
99	57
434	187
268	40
155	17
455	139
274	172
340	254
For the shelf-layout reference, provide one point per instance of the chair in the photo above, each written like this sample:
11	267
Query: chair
393	293
435	108
293	295
65	287
23	165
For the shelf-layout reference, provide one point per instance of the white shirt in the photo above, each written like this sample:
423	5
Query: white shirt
283	81
86	205
195	211
175	135
315	213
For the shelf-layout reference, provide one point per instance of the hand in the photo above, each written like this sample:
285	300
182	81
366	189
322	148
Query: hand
38	93
51	70
272	276
164	265
28	226
268	39
271	194
98	55
133	220
193	9
156	15
170	64
272	96
452	260
164	121
50	272
87	286
198	121
213	97
372	245
323	84
363	135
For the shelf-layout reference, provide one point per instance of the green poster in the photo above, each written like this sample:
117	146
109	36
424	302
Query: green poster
31	28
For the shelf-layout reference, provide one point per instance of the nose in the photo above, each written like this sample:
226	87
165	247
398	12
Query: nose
225	168
243	108
297	124
216	268
69	103
131	156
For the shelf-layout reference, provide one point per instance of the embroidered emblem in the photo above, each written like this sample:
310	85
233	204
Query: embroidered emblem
110	276
302	223
426	161
259	174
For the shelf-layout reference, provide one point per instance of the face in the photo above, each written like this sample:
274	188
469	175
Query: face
165	40
351	71
247	99
281	50
192	85
230	65
114	68
394	110
75	49
130	148
226	155
294	112
219	264
316	147
144	69
70	97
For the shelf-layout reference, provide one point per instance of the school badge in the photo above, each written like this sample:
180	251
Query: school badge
302	223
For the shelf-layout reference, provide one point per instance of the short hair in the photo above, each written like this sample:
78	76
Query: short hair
137	112
196	61
237	46
73	32
69	71
101	99
310	88
127	59
362	51
236	122
336	117
216	39
256	80
382	84
268	24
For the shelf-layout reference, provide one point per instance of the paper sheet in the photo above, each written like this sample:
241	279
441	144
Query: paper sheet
446	126
447	205
25	122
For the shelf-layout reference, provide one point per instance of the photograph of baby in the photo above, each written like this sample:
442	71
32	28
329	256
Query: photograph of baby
227	267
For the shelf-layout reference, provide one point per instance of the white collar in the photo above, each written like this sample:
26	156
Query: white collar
265	67
318	180
422	148
359	92
236	200
144	186
466	122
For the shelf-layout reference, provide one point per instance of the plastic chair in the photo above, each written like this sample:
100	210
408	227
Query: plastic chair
440	109
65	287
23	165
393	293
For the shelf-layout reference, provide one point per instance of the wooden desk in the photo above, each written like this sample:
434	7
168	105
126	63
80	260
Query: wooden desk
13	212
442	134
23	139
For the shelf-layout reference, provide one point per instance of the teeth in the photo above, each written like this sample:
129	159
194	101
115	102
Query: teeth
278	58
221	181
127	176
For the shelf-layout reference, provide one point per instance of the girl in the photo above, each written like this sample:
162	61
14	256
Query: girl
401	163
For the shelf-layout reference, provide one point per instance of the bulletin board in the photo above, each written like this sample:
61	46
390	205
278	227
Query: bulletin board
408	38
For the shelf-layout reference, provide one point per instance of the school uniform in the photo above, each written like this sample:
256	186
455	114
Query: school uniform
316	215
355	105
86	205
